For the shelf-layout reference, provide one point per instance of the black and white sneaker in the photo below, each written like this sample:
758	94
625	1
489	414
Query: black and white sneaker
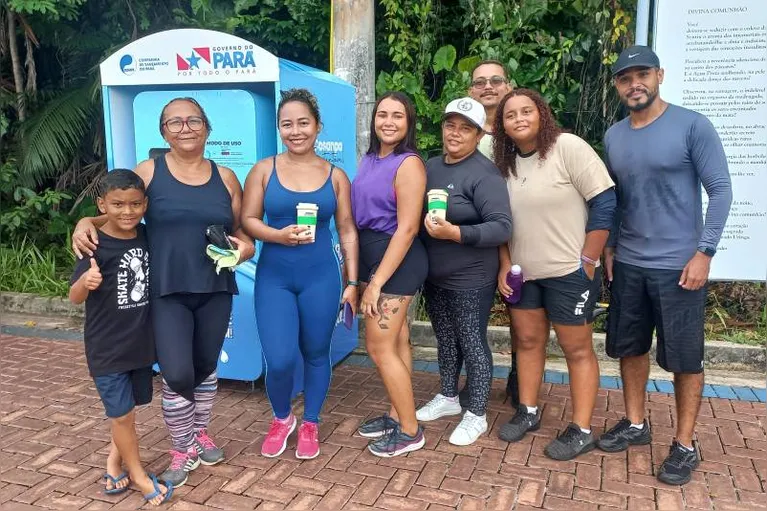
619	437
522	422
377	426
678	466
571	443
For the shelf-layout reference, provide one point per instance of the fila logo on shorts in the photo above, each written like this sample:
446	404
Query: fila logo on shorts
580	305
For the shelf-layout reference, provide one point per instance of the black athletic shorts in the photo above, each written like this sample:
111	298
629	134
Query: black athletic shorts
644	300
411	274
567	300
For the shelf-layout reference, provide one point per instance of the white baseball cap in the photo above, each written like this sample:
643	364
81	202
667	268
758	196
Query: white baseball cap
469	108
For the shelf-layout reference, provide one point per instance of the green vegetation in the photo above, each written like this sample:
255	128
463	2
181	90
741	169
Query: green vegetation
26	268
51	128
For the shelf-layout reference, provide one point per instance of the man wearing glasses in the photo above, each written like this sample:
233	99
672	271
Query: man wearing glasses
489	85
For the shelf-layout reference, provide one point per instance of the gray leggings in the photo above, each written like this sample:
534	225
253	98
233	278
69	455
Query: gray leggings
459	319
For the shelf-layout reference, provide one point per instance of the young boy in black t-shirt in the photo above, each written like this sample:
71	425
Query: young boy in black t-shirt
119	346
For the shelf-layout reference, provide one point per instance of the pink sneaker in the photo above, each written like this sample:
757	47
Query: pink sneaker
308	441
277	438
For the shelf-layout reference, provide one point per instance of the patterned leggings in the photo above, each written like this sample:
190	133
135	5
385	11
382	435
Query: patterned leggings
184	418
459	319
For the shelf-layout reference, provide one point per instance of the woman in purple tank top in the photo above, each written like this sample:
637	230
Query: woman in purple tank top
387	202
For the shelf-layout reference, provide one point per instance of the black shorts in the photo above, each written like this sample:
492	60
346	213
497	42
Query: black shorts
567	300
643	300
411	274
121	392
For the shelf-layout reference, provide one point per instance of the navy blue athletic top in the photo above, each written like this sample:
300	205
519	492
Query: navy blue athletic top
176	219
280	210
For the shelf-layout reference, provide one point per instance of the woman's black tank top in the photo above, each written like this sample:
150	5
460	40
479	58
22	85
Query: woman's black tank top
176	220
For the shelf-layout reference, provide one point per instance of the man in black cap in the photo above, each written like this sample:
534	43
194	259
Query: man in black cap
659	254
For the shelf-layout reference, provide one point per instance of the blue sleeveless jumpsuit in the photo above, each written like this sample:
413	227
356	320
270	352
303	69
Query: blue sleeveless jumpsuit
297	297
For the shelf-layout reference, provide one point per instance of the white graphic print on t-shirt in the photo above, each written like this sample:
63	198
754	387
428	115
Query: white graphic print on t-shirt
133	279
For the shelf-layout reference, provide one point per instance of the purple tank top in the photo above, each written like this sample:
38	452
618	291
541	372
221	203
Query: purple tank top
374	202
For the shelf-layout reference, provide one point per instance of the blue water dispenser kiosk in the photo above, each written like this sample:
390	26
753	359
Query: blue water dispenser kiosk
238	84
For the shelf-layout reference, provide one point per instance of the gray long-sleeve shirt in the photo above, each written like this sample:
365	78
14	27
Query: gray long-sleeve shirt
479	204
658	170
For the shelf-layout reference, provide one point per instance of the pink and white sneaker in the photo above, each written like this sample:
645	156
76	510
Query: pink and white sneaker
308	441
277	438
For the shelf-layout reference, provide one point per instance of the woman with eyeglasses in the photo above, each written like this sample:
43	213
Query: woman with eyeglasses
190	303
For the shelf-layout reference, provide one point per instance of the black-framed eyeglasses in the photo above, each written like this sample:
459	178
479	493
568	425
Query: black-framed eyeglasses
177	125
495	81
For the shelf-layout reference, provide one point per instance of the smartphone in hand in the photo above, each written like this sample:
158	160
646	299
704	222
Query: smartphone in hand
348	315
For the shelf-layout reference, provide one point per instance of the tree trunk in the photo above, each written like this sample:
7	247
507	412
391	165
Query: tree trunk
354	58
29	63
18	71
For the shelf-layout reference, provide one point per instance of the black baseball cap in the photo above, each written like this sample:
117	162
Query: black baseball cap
636	56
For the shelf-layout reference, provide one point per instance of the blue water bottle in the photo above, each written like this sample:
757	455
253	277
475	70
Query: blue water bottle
514	279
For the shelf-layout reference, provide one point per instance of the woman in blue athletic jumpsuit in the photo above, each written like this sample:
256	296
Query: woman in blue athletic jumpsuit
298	286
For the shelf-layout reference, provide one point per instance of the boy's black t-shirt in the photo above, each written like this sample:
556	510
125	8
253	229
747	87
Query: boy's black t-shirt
118	332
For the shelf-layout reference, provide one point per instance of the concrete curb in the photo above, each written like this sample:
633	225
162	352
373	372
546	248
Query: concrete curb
719	354
27	303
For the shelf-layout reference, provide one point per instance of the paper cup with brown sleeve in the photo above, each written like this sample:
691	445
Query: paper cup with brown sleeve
306	216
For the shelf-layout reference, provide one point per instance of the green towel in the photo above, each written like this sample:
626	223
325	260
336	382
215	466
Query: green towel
224	258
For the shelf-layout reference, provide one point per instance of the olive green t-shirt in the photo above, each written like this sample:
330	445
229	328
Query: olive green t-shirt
548	207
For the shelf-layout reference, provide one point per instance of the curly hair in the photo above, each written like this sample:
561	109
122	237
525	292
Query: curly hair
300	96
504	149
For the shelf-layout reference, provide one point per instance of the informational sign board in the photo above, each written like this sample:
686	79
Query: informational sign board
188	56
714	53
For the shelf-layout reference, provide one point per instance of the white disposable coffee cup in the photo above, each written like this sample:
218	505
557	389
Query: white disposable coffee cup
306	216
437	203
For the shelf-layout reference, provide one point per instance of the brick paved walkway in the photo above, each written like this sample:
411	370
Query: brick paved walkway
53	438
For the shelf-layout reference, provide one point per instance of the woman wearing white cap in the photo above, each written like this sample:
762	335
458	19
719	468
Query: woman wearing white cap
463	265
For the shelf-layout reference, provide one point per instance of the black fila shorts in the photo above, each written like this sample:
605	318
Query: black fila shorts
567	300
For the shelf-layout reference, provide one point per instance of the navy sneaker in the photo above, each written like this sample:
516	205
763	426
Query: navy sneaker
619	437
396	443
678	466
377	426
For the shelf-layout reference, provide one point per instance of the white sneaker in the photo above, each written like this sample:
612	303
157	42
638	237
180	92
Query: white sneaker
469	429
438	407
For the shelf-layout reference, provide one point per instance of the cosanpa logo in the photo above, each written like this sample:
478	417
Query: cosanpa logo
127	65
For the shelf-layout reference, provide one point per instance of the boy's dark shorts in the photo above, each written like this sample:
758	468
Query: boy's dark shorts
643	300
121	392
567	300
